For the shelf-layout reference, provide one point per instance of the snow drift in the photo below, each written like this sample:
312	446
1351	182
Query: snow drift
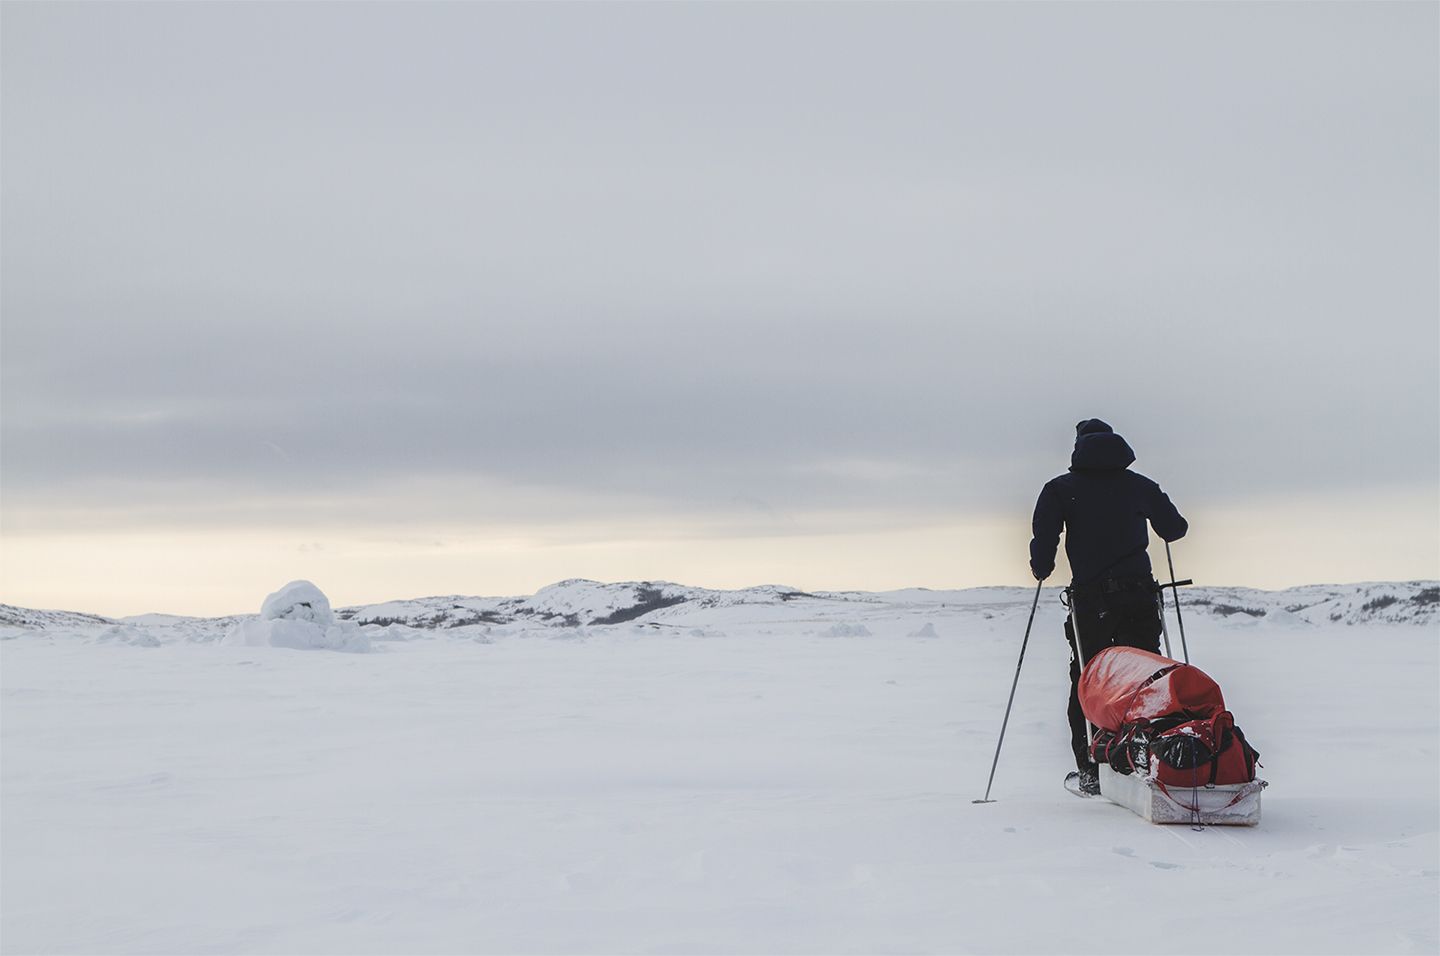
298	616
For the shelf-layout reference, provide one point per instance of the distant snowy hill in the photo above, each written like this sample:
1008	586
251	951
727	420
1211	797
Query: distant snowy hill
1411	602
11	616
578	603
585	604
571	603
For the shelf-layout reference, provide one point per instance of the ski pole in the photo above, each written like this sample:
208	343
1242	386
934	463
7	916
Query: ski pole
1175	590
1164	631
1080	659
1014	684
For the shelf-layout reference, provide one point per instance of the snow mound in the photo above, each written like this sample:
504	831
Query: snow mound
128	634
298	616
847	630
299	635
298	601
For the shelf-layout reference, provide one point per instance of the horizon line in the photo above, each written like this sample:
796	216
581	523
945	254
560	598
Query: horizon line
697	587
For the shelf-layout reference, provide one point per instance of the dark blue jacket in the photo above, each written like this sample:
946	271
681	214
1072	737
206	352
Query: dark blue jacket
1102	507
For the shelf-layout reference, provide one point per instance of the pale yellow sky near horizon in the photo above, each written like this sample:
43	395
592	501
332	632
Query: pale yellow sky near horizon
1266	544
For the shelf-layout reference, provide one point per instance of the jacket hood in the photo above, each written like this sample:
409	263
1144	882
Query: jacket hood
1097	450
1090	426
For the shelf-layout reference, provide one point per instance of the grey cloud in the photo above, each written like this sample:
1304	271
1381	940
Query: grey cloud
700	253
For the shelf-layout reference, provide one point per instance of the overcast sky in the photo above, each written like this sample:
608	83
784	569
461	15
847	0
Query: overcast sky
412	298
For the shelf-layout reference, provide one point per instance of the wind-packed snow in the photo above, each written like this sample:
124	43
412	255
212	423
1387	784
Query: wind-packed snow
749	772
299	635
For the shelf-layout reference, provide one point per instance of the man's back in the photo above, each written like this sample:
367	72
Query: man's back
1102	506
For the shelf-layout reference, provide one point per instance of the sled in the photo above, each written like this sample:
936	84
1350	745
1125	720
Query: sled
1235	804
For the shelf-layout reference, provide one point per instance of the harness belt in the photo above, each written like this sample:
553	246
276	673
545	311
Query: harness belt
1143	582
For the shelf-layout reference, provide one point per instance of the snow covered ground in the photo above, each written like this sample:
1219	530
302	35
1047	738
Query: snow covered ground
763	772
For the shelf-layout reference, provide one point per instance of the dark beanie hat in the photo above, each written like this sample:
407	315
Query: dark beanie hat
1092	425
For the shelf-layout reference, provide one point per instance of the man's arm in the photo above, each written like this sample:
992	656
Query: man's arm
1164	517
1046	525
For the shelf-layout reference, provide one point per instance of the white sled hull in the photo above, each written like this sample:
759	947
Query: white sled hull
1236	804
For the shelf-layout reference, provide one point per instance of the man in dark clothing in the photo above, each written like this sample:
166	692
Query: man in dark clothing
1102	507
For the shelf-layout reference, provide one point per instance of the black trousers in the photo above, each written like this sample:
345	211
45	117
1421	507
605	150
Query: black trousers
1129	618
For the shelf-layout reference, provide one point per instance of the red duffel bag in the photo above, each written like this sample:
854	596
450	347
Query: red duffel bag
1125	685
1213	750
